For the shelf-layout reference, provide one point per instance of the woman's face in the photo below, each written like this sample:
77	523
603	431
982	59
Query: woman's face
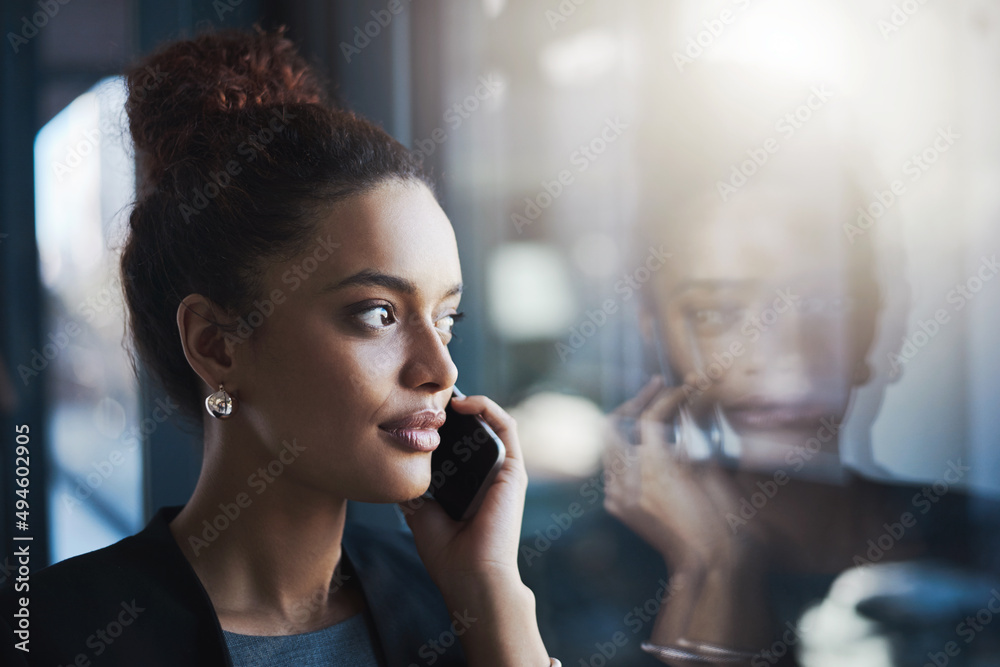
358	340
757	302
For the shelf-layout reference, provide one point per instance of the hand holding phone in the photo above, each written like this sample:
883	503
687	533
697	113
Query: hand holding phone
465	463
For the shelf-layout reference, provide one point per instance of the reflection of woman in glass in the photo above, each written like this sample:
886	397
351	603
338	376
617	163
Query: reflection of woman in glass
764	321
289	261
756	318
772	314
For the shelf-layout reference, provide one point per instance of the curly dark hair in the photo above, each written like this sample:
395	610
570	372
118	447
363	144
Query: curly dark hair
237	152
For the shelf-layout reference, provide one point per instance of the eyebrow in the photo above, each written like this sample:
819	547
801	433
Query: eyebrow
373	278
694	285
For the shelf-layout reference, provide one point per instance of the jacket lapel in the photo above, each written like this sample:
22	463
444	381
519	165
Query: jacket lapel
411	621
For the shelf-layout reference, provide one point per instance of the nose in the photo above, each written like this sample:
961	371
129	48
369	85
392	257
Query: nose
781	349
428	361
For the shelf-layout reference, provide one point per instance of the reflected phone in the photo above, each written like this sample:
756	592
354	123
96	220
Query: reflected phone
673	430
465	464
682	420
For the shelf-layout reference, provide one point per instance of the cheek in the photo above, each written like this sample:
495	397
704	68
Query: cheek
679	359
312	373
829	351
674	345
357	379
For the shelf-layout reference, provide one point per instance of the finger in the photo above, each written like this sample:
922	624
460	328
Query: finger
634	405
656	419
699	396
654	465
502	423
625	417
620	466
619	435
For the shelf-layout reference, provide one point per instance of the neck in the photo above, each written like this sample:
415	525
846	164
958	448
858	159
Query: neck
264	545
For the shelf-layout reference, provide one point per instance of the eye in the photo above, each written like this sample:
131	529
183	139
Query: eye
447	323
708	316
377	317
714	318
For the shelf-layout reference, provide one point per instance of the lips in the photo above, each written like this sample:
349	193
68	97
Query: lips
416	430
768	414
423	420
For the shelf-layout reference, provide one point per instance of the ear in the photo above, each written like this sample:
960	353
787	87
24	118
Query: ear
207	348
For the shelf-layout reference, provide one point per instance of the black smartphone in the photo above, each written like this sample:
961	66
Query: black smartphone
465	463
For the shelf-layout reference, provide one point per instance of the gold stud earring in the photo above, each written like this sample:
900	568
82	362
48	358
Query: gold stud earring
221	404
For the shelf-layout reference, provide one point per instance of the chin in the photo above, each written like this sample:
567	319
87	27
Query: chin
402	484
384	494
404	489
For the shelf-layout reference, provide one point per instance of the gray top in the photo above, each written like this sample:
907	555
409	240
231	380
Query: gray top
346	644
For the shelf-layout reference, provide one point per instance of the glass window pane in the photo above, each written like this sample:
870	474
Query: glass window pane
84	183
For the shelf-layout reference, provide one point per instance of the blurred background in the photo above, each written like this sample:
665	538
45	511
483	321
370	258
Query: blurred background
579	147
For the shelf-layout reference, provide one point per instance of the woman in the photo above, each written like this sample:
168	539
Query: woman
767	323
293	283
753	414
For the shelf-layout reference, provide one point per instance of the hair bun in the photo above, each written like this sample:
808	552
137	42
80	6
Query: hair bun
220	78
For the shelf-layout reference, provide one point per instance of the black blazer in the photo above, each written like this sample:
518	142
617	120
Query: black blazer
139	602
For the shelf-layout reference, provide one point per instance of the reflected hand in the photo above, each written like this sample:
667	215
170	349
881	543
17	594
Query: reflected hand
680	508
